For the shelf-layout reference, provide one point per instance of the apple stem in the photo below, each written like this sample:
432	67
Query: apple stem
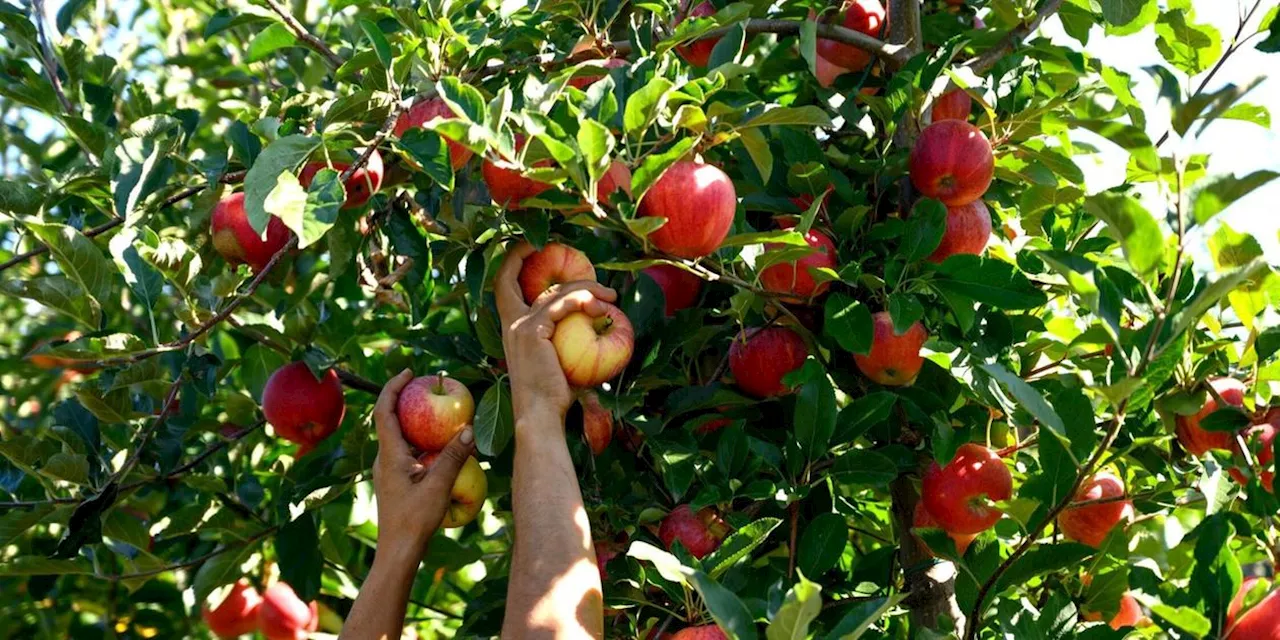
440	383
603	324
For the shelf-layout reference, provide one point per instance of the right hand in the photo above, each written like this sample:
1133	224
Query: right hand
538	385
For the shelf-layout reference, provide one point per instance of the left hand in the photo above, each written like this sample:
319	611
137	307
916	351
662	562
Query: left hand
412	499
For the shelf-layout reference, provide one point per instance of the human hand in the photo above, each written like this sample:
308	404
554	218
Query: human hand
538	385
412	499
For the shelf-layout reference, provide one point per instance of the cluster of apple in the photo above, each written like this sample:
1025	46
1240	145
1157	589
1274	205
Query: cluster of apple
278	613
1260	435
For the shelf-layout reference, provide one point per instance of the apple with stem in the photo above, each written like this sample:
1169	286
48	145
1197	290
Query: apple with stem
432	410
958	495
952	162
700	533
759	358
593	350
363	183
236	613
424	112
1091	523
968	231
699	202
237	242
680	289
1195	439
301	408
552	265
468	493
698	52
894	359
864	16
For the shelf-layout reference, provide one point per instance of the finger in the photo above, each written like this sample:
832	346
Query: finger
384	415
573	299
506	288
444	470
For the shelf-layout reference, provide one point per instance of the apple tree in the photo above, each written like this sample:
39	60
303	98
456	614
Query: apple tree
882	363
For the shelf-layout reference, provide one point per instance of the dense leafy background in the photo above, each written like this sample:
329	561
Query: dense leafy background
140	476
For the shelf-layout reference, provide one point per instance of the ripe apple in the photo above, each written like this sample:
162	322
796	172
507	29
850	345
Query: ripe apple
508	186
432	410
284	616
468	493
952	105
426	111
301	408
593	350
360	186
795	278
699	202
585	81
235	239
597	423
922	520
863	16
952	162
1129	614
826	71
760	357
1259	622
604	553
1197	441
1090	524
894	359
236	614
680	289
703	632
554	264
957	495
1265	433
697	53
617	177
968	230
700	533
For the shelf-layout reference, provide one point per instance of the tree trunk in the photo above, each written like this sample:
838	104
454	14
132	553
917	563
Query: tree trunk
930	582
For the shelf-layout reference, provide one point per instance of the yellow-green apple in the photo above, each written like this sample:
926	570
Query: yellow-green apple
701	632
680	289
1195	439
1128	615
760	357
863	16
1259	622
597	422
894	359
700	533
698	52
507	185
968	230
235	239
362	184
922	520
426	111
959	495
699	202
468	493
593	350
284	616
301	408
551	265
795	279
952	105
433	409
952	162
235	614
1091	523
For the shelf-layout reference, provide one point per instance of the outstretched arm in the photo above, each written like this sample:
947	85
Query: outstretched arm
411	505
554	590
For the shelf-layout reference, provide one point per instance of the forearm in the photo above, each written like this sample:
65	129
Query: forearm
378	613
554	590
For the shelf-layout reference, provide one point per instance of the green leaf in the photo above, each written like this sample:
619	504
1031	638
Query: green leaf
725	608
848	322
79	258
242	16
1192	48
321	204
432	154
801	606
298	552
1185	618
494	424
284	155
1212	294
1212	197
60	294
141	163
924	229
1255	113
42	566
20	198
18	521
271	39
806	116
643	104
146	283
1028	398
739	545
596	144
1130	223
379	41
822	544
864	467
862	615
222	569
781	236
1126	136
989	281
758	148
1227	419
1231	249
815	416
862	414
1125	17
68	467
1044	559
463	99
652	167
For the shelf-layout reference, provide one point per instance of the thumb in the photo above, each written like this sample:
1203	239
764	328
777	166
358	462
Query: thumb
443	467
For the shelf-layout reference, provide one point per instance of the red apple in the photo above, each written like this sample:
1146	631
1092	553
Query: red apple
700	533
968	230
593	350
507	185
922	520
703	632
680	289
952	162
466	498
863	16
894	359
585	81
360	186
236	614
1129	614
47	361
301	408
1259	622
1197	441
432	410
795	278
826	72
1090	524
426	111
284	616
552	265
715	424
699	201
604	553
236	240
759	358
617	177
697	53
952	105
957	495
597	423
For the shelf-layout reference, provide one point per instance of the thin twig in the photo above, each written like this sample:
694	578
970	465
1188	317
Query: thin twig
990	57
194	561
50	62
312	42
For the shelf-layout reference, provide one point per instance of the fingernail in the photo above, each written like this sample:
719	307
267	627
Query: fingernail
466	436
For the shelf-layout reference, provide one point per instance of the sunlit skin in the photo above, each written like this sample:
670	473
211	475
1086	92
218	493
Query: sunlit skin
968	230
958	495
952	162
699	201
1259	622
432	410
1091	523
1196	440
952	105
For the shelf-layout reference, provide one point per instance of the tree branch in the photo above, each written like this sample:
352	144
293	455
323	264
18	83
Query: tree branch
990	57
312	42
50	62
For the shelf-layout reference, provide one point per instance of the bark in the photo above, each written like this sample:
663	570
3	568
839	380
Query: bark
930	582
